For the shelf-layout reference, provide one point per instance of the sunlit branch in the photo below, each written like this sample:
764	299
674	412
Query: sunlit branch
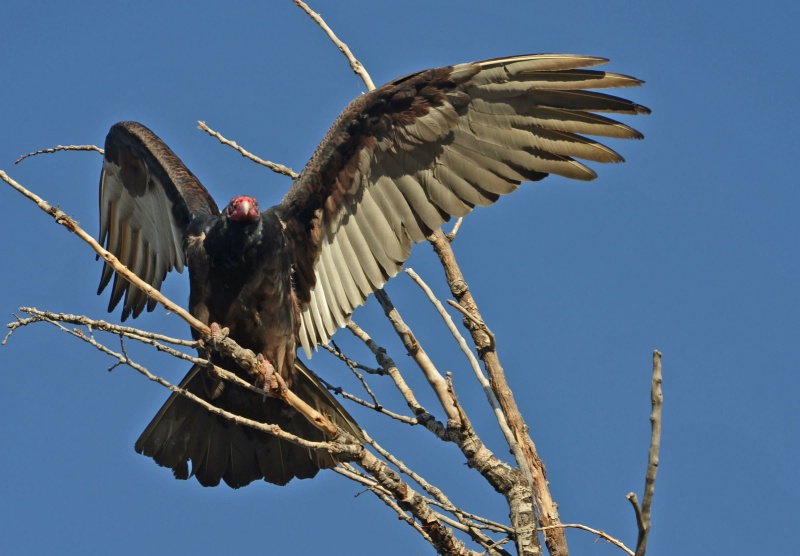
643	522
531	465
277	168
440	499
601	534
355	65
424	418
61	148
484	382
415	350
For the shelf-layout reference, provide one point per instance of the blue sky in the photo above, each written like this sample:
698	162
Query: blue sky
690	247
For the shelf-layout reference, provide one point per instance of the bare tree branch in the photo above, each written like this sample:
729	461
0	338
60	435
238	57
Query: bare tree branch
643	512
503	478
441	536
277	168
548	510
601	534
482	380
424	418
61	148
355	65
415	350
93	324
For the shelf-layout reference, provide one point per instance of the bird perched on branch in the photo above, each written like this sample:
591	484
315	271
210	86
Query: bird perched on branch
396	164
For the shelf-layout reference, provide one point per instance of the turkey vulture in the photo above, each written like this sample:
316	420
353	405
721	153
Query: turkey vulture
396	164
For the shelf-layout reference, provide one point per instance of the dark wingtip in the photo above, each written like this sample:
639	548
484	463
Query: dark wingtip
180	471
105	278
138	310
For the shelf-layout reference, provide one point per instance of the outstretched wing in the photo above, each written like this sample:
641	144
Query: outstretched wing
148	198
400	160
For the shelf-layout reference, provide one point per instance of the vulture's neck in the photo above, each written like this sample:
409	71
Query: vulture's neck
232	243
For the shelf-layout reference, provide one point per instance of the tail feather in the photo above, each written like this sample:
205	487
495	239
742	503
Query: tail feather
183	433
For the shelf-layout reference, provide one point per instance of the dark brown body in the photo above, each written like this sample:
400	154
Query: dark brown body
241	279
240	275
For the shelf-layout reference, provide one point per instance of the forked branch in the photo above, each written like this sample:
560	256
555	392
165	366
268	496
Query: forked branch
643	512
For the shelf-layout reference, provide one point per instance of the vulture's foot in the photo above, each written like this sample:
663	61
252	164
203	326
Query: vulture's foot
214	340
218	335
266	377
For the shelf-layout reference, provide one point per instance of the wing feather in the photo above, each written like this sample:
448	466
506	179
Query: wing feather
148	198
404	158
344	271
363	254
335	280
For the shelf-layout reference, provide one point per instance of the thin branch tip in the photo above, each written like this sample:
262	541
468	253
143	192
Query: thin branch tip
277	168
58	148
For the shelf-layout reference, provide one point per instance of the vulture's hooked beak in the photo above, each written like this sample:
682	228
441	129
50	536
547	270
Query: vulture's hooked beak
243	209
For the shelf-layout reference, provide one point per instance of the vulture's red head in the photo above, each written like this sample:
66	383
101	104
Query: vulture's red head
242	209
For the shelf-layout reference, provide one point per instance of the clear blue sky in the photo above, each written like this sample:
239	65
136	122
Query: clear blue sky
691	247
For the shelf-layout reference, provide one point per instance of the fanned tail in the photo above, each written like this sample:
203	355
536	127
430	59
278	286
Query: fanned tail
183	433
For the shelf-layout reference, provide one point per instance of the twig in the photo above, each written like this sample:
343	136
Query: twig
637	509
143	336
61	148
415	350
451	236
351	365
601	534
334	350
82	320
375	488
375	405
355	65
643	522
424	418
278	168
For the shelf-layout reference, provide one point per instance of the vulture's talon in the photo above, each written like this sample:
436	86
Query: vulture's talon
266	377
217	336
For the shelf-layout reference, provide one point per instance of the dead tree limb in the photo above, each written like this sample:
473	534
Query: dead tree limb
643	512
